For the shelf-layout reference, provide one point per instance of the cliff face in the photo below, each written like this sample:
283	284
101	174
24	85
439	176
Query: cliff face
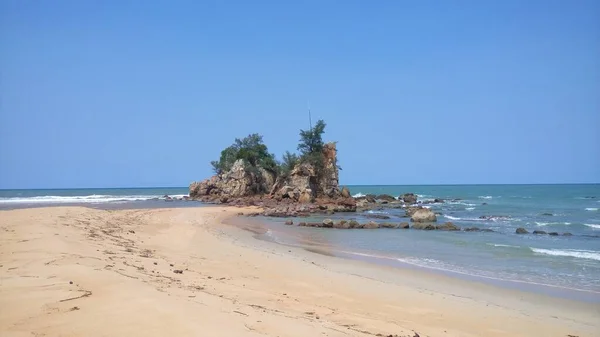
302	185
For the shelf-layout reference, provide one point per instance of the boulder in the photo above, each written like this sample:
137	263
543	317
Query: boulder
409	198
404	225
553	234
438	201
567	234
424	226
342	224
448	226
306	196
353	224
537	232
328	223
371	225
388	225
345	193
521	230
411	210
385	197
302	224
472	229
423	215
289	222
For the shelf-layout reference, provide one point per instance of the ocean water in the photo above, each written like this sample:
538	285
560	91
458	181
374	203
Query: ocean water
94	197
566	264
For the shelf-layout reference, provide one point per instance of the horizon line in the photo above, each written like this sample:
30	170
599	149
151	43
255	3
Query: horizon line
341	185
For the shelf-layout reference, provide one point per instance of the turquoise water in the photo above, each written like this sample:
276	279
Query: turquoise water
569	263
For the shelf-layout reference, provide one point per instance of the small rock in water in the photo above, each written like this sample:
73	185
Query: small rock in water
567	234
553	234
178	271
521	230
289	222
70	282
547	214
539	232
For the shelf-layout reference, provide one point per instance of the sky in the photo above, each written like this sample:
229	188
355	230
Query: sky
147	93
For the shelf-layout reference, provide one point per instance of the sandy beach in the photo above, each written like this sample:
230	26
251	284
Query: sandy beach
75	271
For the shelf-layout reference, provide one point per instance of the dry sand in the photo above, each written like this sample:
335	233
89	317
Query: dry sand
75	271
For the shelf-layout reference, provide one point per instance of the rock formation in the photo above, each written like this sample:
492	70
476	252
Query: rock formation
303	185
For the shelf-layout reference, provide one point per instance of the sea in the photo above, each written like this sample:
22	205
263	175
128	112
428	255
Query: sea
562	265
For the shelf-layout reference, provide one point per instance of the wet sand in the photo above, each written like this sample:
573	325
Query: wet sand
75	271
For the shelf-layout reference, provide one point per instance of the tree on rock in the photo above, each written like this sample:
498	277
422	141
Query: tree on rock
251	150
311	145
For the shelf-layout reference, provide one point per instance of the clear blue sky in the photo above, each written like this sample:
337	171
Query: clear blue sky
147	93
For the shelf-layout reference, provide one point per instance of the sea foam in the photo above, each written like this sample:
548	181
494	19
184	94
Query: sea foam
576	253
94	198
593	226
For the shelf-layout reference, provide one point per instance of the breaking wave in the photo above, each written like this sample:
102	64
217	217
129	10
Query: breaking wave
85	199
576	253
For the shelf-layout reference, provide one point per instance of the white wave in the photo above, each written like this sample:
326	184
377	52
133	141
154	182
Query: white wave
552	223
53	199
591	209
470	208
358	195
581	254
593	226
501	245
452	217
485	197
461	203
376	212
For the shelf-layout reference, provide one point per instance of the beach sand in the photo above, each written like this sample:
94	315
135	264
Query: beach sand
75	271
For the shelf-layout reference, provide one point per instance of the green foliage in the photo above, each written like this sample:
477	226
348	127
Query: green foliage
251	150
311	141
290	160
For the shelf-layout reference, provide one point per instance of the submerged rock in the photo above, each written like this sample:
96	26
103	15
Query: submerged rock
377	216
553	234
539	232
521	230
289	222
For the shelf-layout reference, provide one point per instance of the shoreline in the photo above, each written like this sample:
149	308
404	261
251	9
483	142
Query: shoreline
541	289
233	284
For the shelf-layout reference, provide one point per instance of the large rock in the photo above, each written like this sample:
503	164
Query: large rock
448	226
385	197
371	225
424	226
423	215
409	198
345	193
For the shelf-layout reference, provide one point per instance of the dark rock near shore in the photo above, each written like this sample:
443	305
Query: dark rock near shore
409	198
553	234
404	225
388	225
289	222
472	229
353	224
371	225
385	197
328	223
448	226
521	230
424	226
567	234
539	232
342	224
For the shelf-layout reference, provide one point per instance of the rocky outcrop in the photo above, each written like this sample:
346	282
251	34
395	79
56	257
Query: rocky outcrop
237	182
245	186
